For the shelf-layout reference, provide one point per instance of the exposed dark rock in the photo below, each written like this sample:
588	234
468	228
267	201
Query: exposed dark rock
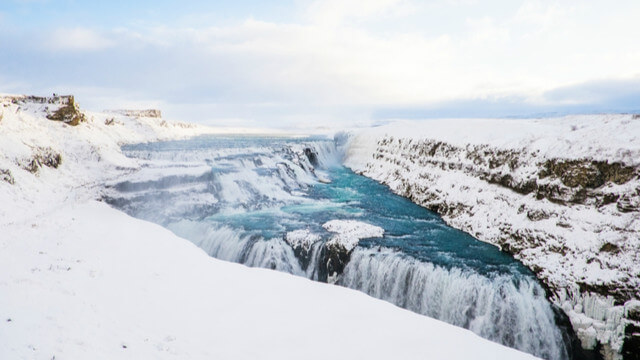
620	292
610	248
633	313
573	173
628	203
335	258
607	199
537	215
43	157
571	340
631	346
69	112
303	255
5	175
587	173
312	156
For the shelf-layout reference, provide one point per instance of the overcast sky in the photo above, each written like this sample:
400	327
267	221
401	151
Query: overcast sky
301	63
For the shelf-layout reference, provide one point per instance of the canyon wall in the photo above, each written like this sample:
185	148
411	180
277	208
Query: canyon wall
561	195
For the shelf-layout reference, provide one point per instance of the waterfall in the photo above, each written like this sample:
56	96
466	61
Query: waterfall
513	312
228	244
509	310
236	198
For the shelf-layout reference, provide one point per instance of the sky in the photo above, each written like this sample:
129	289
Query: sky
326	63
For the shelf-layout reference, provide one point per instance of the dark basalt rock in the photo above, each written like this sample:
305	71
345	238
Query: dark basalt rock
334	258
587	174
303	253
631	346
312	156
574	348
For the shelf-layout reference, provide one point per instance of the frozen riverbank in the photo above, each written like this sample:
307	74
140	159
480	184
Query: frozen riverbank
561	195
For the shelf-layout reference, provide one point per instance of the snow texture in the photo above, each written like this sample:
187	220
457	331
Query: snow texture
79	279
561	194
349	232
302	238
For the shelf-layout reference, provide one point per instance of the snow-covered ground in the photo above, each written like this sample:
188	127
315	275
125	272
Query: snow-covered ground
79	279
561	194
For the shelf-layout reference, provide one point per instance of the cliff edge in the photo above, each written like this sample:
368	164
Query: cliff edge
562	195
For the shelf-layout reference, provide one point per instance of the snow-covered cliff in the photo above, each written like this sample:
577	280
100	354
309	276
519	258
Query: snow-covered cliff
79	279
46	155
562	195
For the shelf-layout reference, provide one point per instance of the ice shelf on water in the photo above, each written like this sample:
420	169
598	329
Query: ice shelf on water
279	203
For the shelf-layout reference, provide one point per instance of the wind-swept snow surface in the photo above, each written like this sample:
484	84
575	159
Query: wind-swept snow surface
81	280
562	195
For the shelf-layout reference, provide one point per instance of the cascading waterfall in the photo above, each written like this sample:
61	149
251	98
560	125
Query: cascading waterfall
237	198
510	311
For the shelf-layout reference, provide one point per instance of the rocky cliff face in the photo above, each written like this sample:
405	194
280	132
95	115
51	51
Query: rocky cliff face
573	220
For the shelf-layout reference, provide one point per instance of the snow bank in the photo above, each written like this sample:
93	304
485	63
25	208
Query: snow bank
349	232
90	282
562	195
79	279
302	238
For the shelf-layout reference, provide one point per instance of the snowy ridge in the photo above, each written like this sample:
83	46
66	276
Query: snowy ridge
562	195
82	280
88	153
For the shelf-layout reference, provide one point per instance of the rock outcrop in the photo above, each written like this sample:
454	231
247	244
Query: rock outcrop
57	107
68	112
347	234
330	256
42	157
573	220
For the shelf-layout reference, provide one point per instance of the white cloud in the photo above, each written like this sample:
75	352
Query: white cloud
336	12
355	55
77	39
